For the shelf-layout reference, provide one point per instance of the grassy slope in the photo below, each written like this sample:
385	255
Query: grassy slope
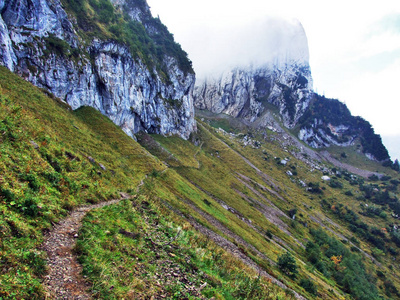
51	161
39	186
134	250
216	171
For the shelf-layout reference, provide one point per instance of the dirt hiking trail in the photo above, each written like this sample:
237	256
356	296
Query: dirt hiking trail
64	279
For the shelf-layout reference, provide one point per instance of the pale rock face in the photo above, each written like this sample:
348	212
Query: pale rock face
277	72
241	92
112	81
319	138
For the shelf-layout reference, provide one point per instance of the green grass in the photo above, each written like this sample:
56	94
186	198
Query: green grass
39	186
136	250
54	159
217	172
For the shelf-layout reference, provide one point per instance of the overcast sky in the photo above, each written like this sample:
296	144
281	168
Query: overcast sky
354	47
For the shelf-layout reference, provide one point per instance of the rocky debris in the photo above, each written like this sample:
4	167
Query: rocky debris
325	178
64	279
36	146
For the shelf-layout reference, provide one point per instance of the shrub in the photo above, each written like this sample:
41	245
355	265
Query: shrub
56	45
314	188
390	289
7	194
292	213
348	193
335	184
373	177
30	207
287	265
308	285
32	180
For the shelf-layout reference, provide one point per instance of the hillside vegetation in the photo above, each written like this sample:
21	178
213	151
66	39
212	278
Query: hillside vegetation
334	112
147	39
223	215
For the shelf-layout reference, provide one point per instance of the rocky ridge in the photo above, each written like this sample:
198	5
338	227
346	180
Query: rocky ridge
284	80
242	92
40	42
276	71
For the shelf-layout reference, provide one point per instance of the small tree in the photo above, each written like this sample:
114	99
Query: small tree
396	165
287	265
309	286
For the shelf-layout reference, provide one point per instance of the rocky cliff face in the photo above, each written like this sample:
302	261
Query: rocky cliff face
329	122
277	71
242	92
283	78
41	42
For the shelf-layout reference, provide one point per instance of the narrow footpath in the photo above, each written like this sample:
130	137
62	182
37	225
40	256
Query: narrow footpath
64	279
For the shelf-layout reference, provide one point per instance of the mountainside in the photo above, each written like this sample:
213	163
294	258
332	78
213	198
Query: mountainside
328	122
116	58
242	92
283	78
231	214
278	74
243	202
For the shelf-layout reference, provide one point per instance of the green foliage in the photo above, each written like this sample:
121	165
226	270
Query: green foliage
309	286
56	45
287	265
334	112
346	268
314	188
335	184
100	19
140	248
396	165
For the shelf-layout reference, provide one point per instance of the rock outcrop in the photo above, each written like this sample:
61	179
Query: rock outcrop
329	122
42	43
242	92
277	72
283	78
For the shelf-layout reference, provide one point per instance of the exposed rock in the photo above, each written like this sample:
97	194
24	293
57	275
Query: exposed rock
325	178
317	137
279	75
241	92
103	74
36	146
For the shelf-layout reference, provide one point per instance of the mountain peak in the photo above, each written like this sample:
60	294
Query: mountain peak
269	42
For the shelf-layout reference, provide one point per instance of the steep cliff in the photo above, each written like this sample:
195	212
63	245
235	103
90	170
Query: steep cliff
277	71
282	77
112	56
329	122
242	92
